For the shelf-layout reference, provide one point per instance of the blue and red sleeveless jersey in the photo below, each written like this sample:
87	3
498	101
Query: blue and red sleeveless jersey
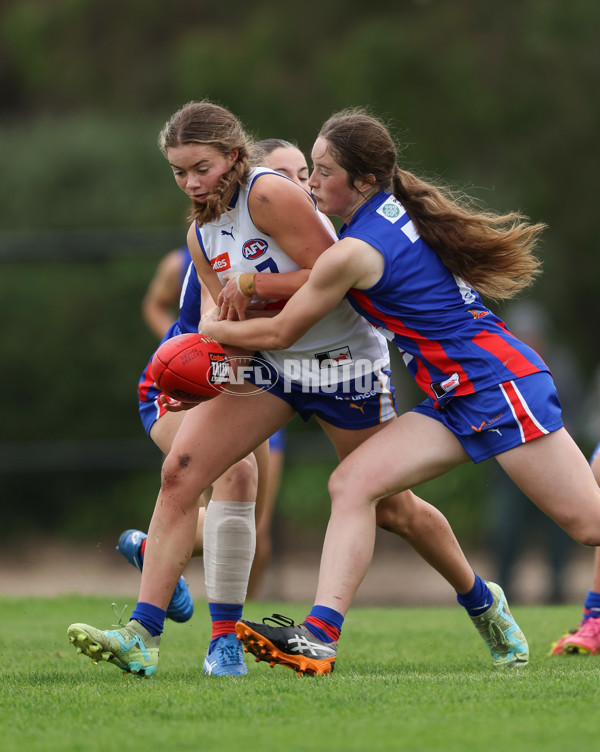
450	341
186	260
189	302
187	323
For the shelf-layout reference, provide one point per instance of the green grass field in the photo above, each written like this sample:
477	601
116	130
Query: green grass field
406	679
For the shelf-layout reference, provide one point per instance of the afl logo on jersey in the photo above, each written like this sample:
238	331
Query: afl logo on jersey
255	248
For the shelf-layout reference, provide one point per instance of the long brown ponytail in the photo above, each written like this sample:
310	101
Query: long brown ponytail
493	253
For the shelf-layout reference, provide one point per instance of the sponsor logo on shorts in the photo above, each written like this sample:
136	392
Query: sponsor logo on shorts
341	356
255	248
221	263
360	396
358	407
487	425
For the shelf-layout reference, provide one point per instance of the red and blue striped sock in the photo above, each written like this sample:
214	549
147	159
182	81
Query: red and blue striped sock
324	623
591	607
224	617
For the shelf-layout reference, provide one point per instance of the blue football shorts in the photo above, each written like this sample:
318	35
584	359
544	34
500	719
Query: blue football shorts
363	404
353	406
149	406
501	417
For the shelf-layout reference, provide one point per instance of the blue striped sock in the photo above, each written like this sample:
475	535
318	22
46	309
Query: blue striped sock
478	599
151	617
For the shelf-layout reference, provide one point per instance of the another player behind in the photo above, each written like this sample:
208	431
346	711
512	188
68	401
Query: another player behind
585	639
160	304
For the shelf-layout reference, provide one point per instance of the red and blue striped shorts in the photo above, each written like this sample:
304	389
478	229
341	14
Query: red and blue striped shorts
501	417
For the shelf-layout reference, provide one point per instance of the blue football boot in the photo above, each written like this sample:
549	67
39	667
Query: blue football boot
226	658
181	606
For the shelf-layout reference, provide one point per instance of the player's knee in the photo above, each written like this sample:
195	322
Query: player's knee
588	539
389	518
240	481
584	530
396	513
178	477
345	489
587	536
336	486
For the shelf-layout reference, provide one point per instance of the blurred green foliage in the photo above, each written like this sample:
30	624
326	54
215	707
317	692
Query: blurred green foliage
79	347
502	100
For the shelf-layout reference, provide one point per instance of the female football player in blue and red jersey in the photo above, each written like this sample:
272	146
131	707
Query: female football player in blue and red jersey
414	260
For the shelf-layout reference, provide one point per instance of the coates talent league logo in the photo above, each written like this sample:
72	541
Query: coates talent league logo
255	248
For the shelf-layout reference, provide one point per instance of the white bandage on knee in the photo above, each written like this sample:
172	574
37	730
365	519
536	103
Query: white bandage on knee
229	544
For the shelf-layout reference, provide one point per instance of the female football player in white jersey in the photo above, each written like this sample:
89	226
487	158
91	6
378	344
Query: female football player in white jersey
411	259
176	282
246	480
248	223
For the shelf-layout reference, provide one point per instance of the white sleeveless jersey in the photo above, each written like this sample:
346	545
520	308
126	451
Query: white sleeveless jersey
341	347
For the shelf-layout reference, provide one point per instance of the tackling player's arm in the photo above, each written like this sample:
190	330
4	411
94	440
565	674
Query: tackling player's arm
349	263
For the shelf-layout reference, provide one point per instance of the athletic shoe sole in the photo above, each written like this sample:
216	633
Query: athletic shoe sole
264	650
86	645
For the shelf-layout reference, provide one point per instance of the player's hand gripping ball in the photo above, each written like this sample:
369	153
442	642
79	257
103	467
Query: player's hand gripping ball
190	368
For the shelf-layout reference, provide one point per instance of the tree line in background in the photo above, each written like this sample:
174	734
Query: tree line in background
500	100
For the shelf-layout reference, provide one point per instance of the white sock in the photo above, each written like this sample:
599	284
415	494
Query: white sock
229	545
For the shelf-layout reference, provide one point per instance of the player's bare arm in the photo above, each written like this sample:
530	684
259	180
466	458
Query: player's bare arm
283	210
162	295
287	213
349	263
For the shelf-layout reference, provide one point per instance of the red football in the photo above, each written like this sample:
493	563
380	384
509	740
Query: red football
190	367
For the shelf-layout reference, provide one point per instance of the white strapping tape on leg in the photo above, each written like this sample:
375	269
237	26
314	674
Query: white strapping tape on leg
229	545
